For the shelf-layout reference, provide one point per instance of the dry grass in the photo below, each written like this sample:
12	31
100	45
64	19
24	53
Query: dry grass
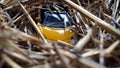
96	25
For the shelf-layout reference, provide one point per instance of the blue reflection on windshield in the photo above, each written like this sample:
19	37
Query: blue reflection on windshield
57	20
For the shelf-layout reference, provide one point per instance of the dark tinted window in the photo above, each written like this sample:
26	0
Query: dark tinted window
57	20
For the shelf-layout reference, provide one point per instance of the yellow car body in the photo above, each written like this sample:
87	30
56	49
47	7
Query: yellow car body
54	34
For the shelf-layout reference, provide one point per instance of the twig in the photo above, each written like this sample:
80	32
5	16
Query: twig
100	22
47	65
101	59
8	44
18	56
115	8
106	51
90	53
61	57
118	19
107	3
10	61
111	47
38	66
33	22
11	2
62	43
91	63
81	43
85	61
14	34
113	20
17	19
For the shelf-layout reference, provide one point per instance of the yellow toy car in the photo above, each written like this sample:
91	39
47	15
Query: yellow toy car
56	26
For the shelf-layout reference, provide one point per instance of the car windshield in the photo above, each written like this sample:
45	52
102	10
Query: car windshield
56	20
